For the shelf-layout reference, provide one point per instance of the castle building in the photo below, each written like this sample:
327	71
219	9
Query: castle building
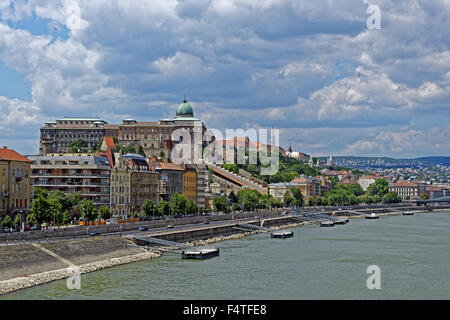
59	136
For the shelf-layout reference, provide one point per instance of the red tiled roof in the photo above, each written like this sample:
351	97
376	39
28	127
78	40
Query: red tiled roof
405	184
11	155
109	142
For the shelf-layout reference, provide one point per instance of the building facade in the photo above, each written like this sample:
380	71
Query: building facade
57	137
407	190
87	174
132	183
170	179
14	182
190	182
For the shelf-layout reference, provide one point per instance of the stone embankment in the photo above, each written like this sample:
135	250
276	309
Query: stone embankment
20	272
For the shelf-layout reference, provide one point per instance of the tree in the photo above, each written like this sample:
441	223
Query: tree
148	208
78	145
162	155
17	221
423	196
235	207
311	201
31	219
104	212
179	202
232	197
141	151
296	193
55	209
378	188
40	210
7	222
59	196
66	217
39	192
391	197
163	208
288	200
88	211
219	204
191	207
75	198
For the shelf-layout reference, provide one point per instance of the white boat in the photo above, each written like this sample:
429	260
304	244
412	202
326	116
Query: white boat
371	216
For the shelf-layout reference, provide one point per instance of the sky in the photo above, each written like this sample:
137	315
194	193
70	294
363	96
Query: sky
313	69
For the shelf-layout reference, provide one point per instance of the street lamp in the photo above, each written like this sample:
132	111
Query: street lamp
20	226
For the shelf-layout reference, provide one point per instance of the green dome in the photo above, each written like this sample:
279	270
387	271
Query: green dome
185	110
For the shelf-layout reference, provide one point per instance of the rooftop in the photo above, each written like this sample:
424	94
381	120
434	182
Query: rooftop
11	155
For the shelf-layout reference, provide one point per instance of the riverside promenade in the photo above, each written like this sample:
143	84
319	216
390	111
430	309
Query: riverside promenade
24	264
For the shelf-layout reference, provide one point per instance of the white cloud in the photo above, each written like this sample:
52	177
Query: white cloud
255	63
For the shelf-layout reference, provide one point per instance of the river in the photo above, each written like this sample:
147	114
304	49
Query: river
412	252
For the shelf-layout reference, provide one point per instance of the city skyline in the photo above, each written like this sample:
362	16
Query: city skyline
314	70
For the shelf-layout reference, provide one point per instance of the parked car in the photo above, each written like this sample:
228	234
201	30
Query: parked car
206	222
143	228
33	228
169	226
94	233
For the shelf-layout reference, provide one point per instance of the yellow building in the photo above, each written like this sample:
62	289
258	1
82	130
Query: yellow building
132	183
14	182
190	183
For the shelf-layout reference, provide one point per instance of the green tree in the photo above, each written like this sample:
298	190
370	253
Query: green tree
191	207
391	197
78	146
311	201
219	204
59	196
31	219
104	212
55	210
232	197
40	210
148	208
235	207
40	192
163	208
141	151
88	211
378	188
179	202
288	200
66	217
17	220
7	222
75	198
296	193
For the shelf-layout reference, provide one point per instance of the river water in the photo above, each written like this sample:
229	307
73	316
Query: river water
412	252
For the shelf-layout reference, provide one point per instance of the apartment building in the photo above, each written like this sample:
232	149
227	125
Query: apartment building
88	174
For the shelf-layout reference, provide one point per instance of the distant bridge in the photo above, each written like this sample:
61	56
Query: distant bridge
441	199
